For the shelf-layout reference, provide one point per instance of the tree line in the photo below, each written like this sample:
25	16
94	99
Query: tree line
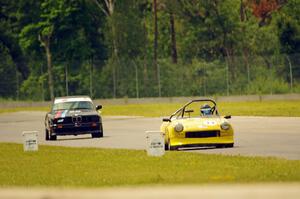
148	48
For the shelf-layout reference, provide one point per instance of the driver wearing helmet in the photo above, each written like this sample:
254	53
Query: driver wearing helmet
205	110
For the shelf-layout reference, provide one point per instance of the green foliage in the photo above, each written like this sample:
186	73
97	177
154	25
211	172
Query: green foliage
8	74
266	81
32	88
110	53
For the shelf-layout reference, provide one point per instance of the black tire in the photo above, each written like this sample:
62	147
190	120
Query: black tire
229	145
173	148
97	135
46	134
166	146
53	137
224	145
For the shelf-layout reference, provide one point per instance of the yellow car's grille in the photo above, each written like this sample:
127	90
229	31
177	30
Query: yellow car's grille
202	134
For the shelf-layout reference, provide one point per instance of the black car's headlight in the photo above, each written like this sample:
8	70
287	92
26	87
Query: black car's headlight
225	126
178	127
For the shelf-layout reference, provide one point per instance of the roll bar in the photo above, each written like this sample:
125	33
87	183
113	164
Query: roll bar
196	100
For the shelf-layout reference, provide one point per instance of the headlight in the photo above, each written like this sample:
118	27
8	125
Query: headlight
178	127
225	126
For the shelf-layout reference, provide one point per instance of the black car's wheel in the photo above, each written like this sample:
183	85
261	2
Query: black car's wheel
53	137
97	135
46	134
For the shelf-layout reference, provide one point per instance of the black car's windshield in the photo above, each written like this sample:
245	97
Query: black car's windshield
73	105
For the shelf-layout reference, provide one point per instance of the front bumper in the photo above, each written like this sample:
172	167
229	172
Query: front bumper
71	129
201	142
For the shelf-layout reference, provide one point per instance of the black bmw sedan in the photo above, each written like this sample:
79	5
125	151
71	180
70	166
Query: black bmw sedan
73	115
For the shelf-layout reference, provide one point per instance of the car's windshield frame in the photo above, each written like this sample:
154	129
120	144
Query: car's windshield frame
73	105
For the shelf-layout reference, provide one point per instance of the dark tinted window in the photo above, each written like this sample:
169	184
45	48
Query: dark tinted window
73	105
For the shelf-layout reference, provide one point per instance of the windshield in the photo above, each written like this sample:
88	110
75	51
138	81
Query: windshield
73	105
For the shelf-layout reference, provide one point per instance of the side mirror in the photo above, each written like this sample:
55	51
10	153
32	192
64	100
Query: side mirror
98	107
227	117
166	120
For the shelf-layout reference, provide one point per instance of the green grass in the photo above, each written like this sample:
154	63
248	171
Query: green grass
17	109
91	167
265	108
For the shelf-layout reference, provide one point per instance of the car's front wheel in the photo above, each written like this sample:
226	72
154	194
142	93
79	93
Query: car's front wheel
168	147
97	135
46	134
224	145
52	137
229	145
173	148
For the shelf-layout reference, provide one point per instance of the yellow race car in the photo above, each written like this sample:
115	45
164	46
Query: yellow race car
197	124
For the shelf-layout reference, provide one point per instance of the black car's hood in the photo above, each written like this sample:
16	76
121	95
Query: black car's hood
71	113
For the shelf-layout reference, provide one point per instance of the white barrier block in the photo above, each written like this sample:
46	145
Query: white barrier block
155	143
30	141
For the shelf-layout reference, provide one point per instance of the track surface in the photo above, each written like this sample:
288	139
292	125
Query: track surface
254	136
246	191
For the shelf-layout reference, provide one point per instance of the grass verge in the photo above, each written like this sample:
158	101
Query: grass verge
265	108
17	109
91	167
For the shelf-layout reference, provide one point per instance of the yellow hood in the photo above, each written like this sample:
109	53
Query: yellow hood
191	124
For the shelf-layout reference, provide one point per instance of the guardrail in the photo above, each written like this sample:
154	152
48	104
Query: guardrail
123	101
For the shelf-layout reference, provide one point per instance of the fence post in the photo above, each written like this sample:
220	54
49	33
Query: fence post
158	77
291	73
227	76
136	80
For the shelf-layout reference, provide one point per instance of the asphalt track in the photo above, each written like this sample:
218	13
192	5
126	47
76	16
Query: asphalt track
254	136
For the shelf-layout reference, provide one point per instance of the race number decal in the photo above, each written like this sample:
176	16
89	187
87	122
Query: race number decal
210	123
